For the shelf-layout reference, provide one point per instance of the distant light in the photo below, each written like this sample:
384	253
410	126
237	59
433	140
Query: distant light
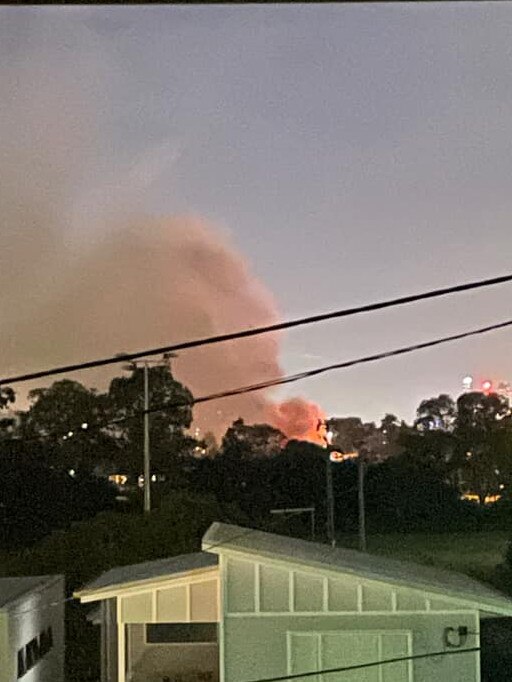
118	479
502	486
153	478
70	434
85	425
336	456
487	385
71	472
467	382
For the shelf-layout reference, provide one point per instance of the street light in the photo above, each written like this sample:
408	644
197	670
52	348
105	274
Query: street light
335	456
327	436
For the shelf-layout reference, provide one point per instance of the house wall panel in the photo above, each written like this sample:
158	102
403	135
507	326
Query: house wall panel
241	586
203	601
274	589
439	604
171	605
343	595
137	608
376	597
256	646
308	592
410	600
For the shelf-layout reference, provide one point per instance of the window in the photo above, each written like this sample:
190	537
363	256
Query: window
32	653
167	633
45	641
22	667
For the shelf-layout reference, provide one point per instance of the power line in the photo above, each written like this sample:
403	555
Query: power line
292	378
246	333
372	664
329	368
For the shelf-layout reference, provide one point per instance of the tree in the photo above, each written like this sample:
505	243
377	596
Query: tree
210	445
167	425
401	497
431	449
390	429
468	443
7	397
71	418
483	436
243	440
8	422
351	434
431	441
35	499
436	413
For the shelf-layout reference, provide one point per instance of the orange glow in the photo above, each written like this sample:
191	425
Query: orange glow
298	419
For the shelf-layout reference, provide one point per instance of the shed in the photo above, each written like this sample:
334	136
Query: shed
257	606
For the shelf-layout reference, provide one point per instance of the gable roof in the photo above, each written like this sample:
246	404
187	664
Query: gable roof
148	571
12	589
222	537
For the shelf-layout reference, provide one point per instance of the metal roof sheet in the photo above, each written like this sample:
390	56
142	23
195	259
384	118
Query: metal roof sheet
11	589
150	570
221	537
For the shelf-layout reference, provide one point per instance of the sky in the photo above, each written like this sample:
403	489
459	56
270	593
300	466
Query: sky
344	153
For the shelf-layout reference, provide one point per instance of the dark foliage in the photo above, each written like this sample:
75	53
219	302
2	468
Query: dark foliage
35	500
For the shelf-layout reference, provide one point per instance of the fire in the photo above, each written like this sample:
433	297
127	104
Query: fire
297	419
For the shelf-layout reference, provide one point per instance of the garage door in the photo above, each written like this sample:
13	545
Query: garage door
311	651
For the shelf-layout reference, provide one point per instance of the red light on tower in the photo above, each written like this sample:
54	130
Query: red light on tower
486	385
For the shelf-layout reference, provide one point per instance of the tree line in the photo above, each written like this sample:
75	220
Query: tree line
416	474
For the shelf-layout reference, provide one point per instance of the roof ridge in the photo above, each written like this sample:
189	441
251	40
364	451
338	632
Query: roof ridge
346	560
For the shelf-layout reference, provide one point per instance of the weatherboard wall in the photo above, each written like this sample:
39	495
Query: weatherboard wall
266	604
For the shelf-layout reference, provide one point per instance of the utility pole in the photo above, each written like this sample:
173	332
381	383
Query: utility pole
334	456
326	436
360	498
330	503
147	460
132	366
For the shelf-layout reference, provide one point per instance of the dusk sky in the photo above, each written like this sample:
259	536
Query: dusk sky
350	153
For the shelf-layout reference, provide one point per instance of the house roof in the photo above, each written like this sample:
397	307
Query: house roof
11	589
222	537
149	570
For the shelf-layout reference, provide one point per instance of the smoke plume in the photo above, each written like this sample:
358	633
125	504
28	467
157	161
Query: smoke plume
160	282
84	271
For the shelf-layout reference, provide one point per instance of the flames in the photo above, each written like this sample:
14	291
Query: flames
298	419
